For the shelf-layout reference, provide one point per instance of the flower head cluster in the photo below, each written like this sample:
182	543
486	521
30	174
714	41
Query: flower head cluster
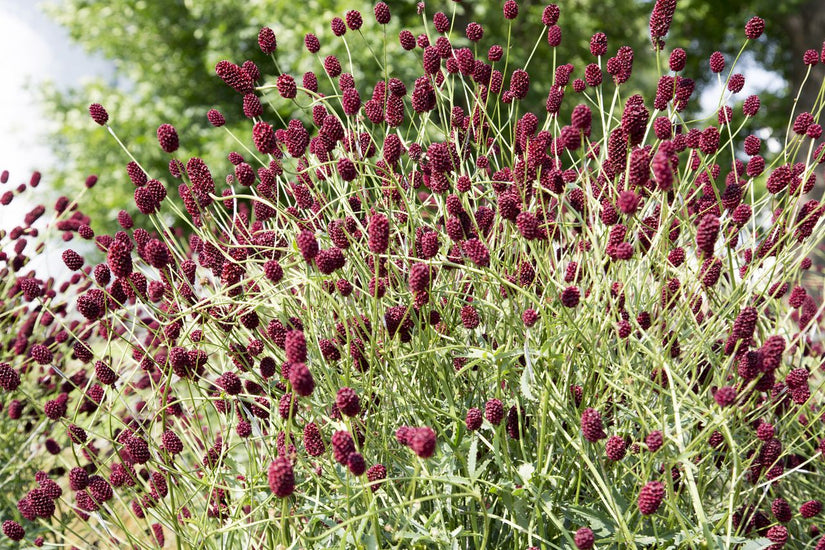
386	254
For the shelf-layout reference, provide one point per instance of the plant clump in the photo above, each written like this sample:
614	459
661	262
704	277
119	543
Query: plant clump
341	304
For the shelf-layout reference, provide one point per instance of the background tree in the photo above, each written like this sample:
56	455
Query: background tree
164	54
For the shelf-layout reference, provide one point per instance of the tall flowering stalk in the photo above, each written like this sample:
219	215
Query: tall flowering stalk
414	314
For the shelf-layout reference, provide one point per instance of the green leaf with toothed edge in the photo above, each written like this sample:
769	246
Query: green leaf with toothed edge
471	458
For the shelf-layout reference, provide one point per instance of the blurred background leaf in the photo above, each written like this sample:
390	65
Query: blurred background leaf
164	54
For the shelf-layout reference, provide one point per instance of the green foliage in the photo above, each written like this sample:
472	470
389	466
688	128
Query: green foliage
644	343
164	55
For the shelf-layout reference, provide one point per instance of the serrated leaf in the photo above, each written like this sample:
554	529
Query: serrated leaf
601	524
756	544
502	353
527	380
471	458
477	353
528	376
483	466
721	541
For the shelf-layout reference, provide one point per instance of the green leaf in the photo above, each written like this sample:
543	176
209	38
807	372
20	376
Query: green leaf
756	544
471	458
528	375
601	524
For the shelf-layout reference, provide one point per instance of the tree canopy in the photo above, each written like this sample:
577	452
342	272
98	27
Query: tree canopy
164	54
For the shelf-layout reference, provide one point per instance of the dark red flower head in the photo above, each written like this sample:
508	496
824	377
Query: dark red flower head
348	402
356	464
598	44
98	113
660	19
312	43
494	411
267	41
375	475
778	534
295	346
678	59
215	118
651	497
281	477
423	442
41	504
379	233
139	449
342	446
301	379
570	297
584	539
419	277
168	138
313	442
382	13
477	252
235	77
338	27
654	441
41	354
754	28
332	66
119	258
100	489
171	442
354	19
615	448
781	510
473	420
717	62
550	15
510	9
469	317
13	530
9	378
286	86
707	233
307	245
230	383
810	509
519	83
725	396
591	425
78	479
406	39
441	22
474	32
